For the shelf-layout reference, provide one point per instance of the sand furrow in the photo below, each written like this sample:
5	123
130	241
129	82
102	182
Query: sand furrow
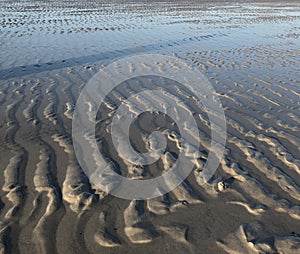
183	192
275	147
287	126
12	185
43	182
280	152
50	50
76	189
69	110
258	193
28	111
102	180
49	111
103	236
252	238
264	165
286	136
261	193
67	91
13	173
133	215
294	117
159	205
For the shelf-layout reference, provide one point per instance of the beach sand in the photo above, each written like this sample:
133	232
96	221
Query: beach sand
250	53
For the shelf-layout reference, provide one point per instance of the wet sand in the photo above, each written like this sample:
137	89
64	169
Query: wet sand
250	52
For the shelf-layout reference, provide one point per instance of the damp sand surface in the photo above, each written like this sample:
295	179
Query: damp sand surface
250	53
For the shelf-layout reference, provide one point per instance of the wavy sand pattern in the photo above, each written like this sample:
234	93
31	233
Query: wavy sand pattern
48	53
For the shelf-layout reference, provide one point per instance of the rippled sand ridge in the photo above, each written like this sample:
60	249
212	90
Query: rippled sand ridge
249	52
